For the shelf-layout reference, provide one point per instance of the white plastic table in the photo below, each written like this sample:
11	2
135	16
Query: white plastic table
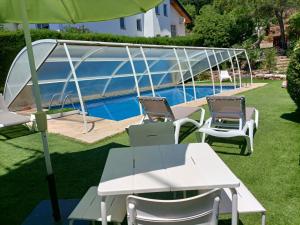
165	168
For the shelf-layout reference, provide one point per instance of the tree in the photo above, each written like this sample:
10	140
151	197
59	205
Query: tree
191	9
213	28
294	26
279	9
223	29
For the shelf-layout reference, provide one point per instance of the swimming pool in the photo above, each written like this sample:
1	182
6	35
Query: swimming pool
126	106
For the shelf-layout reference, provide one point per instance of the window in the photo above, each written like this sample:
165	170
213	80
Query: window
42	26
122	23
165	10
139	24
157	10
173	31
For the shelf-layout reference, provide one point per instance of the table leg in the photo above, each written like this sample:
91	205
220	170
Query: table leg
103	210
234	216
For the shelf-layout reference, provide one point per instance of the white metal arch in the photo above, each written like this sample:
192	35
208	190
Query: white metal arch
181	74
135	78
232	68
250	70
191	72
77	87
217	64
148	70
83	58
211	72
116	70
170	69
238	66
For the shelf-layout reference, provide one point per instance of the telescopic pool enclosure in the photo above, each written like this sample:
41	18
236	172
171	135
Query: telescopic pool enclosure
77	71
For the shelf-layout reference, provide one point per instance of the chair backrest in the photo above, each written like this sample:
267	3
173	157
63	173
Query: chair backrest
227	107
151	134
156	108
225	74
201	209
3	107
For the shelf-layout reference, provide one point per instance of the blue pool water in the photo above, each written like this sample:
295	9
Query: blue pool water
126	106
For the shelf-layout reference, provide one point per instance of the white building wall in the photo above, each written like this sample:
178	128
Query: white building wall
111	26
161	22
178	21
152	24
149	23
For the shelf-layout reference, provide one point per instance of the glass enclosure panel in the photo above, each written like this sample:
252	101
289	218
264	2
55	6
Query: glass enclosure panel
19	74
106	76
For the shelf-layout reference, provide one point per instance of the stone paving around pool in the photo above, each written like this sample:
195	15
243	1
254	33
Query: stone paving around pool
72	126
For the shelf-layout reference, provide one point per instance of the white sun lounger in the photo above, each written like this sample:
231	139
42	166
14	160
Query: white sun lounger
158	109
230	118
8	118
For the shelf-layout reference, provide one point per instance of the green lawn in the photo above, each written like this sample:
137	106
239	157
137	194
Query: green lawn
272	173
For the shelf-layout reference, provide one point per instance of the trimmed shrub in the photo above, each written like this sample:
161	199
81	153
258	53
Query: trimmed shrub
293	76
269	62
12	42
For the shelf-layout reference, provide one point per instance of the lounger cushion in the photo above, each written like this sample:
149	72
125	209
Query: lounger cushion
183	112
10	119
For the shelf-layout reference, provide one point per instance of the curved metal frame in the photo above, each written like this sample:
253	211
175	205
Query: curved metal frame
250	70
217	64
181	74
77	87
170	69
83	58
238	66
211	72
115	72
148	70
232	68
134	75
191	72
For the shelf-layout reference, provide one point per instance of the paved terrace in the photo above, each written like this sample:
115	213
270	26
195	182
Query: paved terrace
72	126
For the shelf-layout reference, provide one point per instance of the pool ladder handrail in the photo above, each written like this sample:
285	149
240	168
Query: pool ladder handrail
62	102
52	98
68	96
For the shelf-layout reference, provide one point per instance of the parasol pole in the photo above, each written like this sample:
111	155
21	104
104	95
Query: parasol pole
40	115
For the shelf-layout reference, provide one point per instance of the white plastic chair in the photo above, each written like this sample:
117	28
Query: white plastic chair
161	133
224	75
201	209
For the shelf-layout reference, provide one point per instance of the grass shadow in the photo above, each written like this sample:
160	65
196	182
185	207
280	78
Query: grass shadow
14	132
228	222
240	142
293	116
24	186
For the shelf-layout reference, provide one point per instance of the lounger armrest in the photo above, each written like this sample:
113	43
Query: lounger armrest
202	114
256	117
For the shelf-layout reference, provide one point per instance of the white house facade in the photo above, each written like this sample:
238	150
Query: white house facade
167	19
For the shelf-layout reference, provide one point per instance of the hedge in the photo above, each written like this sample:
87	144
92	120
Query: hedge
12	42
293	76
